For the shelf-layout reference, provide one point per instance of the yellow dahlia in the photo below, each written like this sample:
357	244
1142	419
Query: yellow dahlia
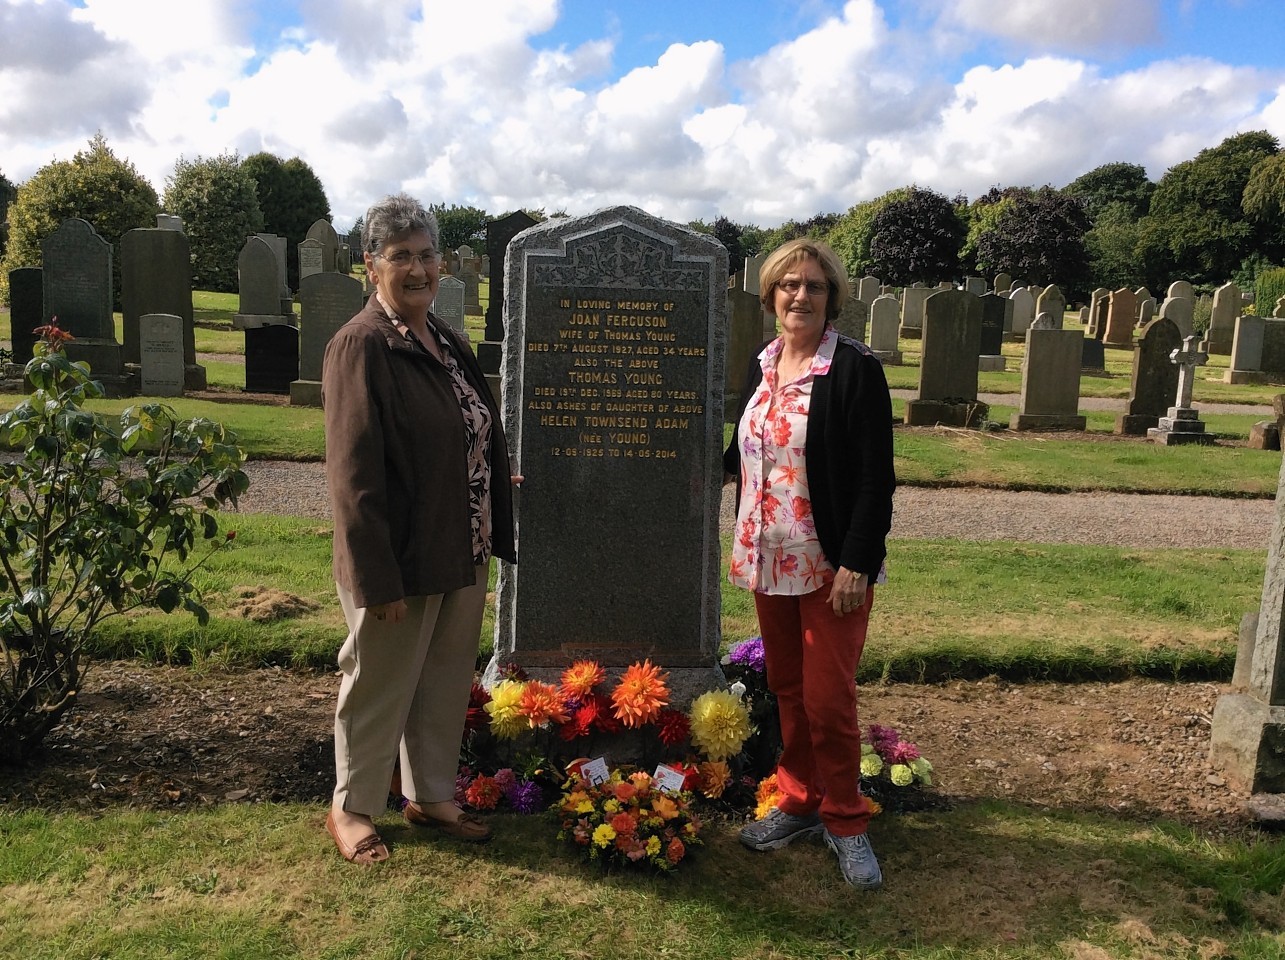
715	776
579	679
506	717
640	695
542	703
720	724
603	835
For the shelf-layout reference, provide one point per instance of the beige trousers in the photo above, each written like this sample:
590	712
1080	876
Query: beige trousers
405	691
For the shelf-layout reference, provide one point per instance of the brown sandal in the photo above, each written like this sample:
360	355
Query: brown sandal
370	849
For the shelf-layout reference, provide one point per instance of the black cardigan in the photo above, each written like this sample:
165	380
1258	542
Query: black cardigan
847	454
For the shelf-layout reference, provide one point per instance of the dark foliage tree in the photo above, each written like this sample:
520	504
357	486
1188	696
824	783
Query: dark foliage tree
917	237
219	204
1197	228
1113	183
1264	203
1038	235
729	234
7	192
1112	245
460	225
94	185
291	199
850	234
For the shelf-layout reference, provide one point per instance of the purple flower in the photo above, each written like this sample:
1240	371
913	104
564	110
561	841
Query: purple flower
525	797
903	752
505	779
749	654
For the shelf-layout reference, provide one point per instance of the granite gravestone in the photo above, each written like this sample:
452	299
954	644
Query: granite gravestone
1052	302
613	383
312	258
1099	301
912	311
851	321
1182	424
327	301
1180	306
975	285
867	289
468	274
952	336
1155	378
26	310
1222	319
160	346
156	278
997	316
744	338
1023	312
271	358
498	234
1003	284
1247	351
166	221
449	304
323	232
1122	316
278	246
77	284
885	317
1050	380
259	280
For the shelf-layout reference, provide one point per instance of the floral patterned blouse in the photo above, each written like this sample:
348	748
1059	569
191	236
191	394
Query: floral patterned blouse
477	436
776	549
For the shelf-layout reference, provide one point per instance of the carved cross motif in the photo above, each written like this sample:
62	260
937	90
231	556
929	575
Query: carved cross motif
1188	357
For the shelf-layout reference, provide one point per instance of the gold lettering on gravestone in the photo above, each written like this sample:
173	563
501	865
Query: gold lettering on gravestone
613	403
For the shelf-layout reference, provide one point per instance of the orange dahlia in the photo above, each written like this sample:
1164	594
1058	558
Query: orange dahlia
541	703
715	776
640	695
579	679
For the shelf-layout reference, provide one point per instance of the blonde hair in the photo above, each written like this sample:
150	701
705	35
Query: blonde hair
790	254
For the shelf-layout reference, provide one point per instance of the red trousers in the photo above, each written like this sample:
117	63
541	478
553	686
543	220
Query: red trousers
812	658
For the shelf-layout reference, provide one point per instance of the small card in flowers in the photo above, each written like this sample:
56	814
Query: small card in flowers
595	771
668	779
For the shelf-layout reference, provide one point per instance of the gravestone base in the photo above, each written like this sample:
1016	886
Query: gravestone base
889	358
1268	809
991	364
1046	422
1220	343
1244	376
947	413
1265	435
1118	344
194	377
1182	426
1134	424
305	393
915	333
250	321
1248	743
106	365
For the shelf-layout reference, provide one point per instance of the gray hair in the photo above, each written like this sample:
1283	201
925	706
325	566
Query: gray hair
395	217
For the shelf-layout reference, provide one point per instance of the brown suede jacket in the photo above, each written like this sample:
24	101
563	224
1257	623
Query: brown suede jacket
395	463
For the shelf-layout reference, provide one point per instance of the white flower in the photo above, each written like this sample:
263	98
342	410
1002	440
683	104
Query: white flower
738	689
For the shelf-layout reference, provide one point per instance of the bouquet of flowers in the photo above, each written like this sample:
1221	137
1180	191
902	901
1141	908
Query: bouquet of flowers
892	769
627	820
746	665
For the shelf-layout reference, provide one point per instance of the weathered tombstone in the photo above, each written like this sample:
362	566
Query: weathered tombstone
1023	312
1122	314
868	289
1142	293
468	274
952	335
1155	378
1272	365
312	258
327	301
851	321
485	269
490	351
1248	732
1093	356
1247	351
449	304
271	358
1182	424
1082	318
156	277
344	259
464	252
160	343
613	381
166	221
26	310
744	338
77	282
997	313
1146	311
975	285
912	310
1181	311
278	247
1180	290
751	272
1052	302
1050	378
1003	283
1099	301
1222	319
324	232
885	318
259	280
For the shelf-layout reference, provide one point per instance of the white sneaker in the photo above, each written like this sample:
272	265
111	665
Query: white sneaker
856	860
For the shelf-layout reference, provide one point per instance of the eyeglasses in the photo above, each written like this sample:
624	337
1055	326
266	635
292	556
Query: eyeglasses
815	288
403	258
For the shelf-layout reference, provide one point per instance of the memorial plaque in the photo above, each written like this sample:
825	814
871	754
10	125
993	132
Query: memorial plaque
613	389
449	304
312	258
160	342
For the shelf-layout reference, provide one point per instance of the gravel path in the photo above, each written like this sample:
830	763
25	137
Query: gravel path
1108	519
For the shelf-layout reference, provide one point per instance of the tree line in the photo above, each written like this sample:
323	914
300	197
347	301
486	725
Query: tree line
1215	217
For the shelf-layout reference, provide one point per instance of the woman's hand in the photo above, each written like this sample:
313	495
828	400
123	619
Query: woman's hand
516	479
848	591
394	612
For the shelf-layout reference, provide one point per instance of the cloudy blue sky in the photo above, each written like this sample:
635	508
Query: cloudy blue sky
760	110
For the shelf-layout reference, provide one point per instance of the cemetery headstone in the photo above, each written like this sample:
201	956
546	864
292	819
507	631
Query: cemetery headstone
1146	311
1155	378
997	313
851	320
77	281
952	335
26	310
1003	283
1050	301
160	342
1181	311
326	301
1272	364
1222	319
156	278
912	310
1099	304
613	376
868	289
278	247
1050	378
1122	314
166	221
1247	351
468	274
259	282
1023	312
1279	310
312	258
464	252
1093	356
885	318
1182	424
490	351
322	230
744	338
449	304
271	358
975	285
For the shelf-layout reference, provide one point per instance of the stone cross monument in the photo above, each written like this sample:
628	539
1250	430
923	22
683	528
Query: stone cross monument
1183	424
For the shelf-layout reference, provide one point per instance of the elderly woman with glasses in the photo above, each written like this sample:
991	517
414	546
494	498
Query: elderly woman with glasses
418	475
812	459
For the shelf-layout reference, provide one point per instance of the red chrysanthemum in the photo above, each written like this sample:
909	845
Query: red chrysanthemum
476	717
640	695
483	793
604	719
674	852
581	721
673	726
